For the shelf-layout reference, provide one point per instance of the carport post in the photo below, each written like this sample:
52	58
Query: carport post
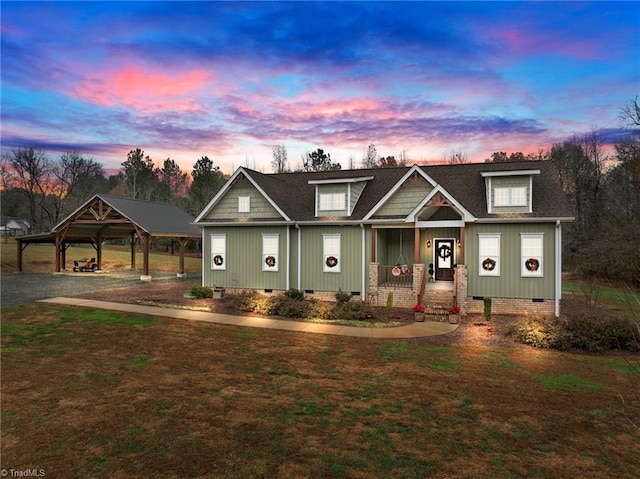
133	251
19	254
58	252
145	255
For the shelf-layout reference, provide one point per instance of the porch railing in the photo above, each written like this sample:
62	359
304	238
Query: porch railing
395	276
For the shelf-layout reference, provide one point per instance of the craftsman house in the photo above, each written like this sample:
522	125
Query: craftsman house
451	234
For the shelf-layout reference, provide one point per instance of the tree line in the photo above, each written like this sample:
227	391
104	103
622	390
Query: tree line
603	189
44	191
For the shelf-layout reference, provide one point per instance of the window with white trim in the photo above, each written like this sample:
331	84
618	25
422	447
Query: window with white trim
531	254
218	252
270	250
489	254
244	204
331	253
332	201
511	196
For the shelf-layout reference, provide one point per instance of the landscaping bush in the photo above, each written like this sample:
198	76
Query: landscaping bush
293	293
356	310
290	306
342	297
578	331
201	292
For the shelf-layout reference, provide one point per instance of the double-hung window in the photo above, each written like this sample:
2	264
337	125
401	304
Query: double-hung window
218	252
270	250
331	254
489	254
531	254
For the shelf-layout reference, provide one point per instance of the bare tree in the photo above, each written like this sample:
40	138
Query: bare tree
403	158
370	158
630	113
455	157
280	162
29	171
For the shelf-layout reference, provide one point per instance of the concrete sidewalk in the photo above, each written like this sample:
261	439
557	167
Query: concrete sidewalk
415	330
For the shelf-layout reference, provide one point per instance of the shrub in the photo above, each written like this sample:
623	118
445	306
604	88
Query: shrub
536	331
293	293
487	309
578	331
342	297
352	310
201	292
285	305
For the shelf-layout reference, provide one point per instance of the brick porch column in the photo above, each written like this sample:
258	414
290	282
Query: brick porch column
461	284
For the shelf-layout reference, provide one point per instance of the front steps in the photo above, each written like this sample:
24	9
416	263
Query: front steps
436	303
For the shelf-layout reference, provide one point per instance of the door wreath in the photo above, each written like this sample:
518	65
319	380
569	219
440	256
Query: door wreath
270	261
218	260
489	264
532	264
444	251
331	261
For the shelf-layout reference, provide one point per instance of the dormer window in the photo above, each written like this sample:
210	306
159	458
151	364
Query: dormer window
509	191
332	201
510	196
338	196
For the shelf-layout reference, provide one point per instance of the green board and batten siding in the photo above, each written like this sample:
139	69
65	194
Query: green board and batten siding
244	258
510	283
350	276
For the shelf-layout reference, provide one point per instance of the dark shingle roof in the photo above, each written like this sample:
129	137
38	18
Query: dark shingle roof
157	219
296	197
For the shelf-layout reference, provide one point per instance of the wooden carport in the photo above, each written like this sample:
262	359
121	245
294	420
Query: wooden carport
107	217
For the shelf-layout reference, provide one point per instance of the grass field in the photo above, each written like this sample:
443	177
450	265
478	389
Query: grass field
40	258
89	393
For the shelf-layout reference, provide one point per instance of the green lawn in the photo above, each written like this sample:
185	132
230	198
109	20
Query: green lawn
100	394
618	299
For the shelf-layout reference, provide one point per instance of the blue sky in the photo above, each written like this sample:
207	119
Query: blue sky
231	79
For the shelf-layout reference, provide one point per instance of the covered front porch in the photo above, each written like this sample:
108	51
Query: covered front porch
416	263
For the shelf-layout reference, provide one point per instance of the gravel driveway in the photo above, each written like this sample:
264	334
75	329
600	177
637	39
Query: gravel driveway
19	288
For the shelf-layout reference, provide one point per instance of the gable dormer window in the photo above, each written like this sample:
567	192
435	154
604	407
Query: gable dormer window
332	201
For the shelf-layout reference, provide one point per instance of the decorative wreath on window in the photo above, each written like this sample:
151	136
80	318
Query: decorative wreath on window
489	264
270	261
532	264
444	251
218	260
331	261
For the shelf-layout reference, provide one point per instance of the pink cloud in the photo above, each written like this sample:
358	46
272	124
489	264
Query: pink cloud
145	90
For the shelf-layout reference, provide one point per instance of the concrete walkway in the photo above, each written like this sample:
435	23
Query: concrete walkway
415	330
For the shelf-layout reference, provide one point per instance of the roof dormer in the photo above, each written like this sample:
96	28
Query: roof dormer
509	191
338	196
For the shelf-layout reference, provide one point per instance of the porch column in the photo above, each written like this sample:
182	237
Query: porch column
133	251
374	236
461	249
416	245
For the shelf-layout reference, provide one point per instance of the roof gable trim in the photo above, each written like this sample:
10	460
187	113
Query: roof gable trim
227	186
466	216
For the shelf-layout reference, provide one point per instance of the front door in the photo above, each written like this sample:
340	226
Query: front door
444	260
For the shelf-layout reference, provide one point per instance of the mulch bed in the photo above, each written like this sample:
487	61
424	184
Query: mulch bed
471	330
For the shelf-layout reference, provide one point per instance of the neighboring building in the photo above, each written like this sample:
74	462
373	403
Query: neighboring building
430	234
15	227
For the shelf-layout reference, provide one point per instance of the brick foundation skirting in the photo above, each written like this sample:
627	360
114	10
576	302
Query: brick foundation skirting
522	306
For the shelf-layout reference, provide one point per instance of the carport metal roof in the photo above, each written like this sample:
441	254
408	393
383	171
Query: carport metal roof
105	217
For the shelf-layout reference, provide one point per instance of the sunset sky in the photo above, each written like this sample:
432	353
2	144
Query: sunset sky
231	79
